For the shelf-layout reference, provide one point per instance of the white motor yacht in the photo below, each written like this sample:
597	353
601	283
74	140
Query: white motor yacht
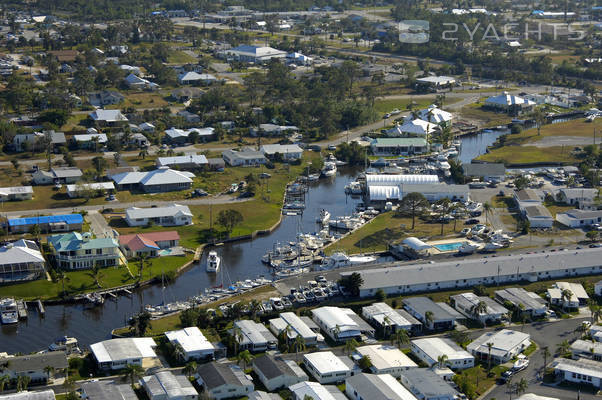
213	261
324	217
330	169
9	314
468	248
342	260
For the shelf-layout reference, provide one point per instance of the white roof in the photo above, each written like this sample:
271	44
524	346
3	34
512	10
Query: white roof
123	349
418	127
175	133
280	148
415	243
47	394
435	347
159	176
298	327
585	346
191	339
333	317
504	342
381	193
316	391
21	251
385	357
16	190
102	138
378	312
91	186
108	115
434	114
195	76
188	159
533	396
326	362
439	80
581	366
391	180
506	99
576	289
166	385
155	212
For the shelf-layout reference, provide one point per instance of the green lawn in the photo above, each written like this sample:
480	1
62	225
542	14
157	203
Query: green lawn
485	117
383	106
179	57
82	282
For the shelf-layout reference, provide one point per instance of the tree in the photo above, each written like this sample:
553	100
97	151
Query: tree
352	283
142	261
428	318
96	274
245	357
49	369
489	347
299	345
380	295
100	165
62	277
350	346
479	308
413	203
365	363
595	312
592	235
400	338
143	153
229	219
442	206
238	336
189	369
117	158
487	208
132	372
22	383
4	379
563	347
15	164
140	323
540	119
442	360
566	296
521	182
522	386
546	354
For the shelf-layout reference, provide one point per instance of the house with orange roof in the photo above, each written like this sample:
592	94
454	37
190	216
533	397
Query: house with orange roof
149	244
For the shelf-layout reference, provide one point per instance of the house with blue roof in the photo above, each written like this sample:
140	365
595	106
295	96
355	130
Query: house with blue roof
81	251
47	223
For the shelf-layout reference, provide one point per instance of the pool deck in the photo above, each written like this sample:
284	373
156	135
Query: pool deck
434	251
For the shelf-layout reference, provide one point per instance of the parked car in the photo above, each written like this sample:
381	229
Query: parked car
471	221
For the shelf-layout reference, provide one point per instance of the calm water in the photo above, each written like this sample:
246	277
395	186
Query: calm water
476	144
241	261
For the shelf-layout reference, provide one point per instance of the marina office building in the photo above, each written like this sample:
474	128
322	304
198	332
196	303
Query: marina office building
395	279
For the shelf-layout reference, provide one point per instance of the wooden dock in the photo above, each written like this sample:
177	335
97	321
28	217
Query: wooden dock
40	306
22	309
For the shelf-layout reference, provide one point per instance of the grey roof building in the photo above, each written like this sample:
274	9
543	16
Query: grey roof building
261	395
275	372
376	387
486	171
427	385
442	317
47	394
165	385
467	303
530	302
255	336
222	381
107	390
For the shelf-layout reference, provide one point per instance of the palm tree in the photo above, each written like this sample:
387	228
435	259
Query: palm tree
487	208
132	372
442	360
595	311
299	344
563	347
62	277
245	357
522	386
387	324
96	274
350	346
566	296
428	318
400	338
189	369
489	347
49	370
22	383
143	153
546	354
4	379
142	261
237	334
336	331
479	308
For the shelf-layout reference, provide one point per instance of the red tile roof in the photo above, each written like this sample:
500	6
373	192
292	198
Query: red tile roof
139	241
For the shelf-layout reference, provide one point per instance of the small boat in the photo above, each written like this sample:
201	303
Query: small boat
319	294
94	299
295	205
233	188
285	273
353	188
286	302
65	343
346	223
329	169
468	248
492	246
342	260
9	313
324	217
277	303
313	177
521	363
213	261
267	306
299	298
299	262
590	118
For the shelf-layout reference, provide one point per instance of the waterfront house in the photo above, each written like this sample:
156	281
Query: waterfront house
509	103
223	381
191	344
326	367
33	366
253	336
107	390
287	152
435	115
116	354
506	344
47	223
385	359
246	157
81	251
429	349
165	385
275	372
376	387
398	146
21	261
162	179
172	215
416	127
149	244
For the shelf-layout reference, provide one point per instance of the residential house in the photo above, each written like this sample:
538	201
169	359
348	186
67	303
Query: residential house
16	193
147	127
252	54
578	371
506	344
528	302
184	94
189	117
160	180
194	78
80	251
253	336
38	141
148	244
187	162
21	261
595	331
326	367
398	146
191	344
223	381
577	295
598	288
47	394
108	118
135	82
295	326
116	354
436	82
579	218
90	141
436	115
538	216
410	127
587	349
470	305
135	139
33	366
385	359
376	387
430	349
182	136
96	189
47	223
340	324
130	69
172	215
105	98
107	390
165	385
276	373
287	152
64	175
272	130
440	317
527	197
509	103
495	172
581	198
427	385
245	158
261	395
315	391
385	318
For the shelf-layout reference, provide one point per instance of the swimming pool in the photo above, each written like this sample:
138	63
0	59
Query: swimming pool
165	252
448	246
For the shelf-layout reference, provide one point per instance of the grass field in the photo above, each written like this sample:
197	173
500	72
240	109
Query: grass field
384	229
386	105
82	281
180	57
141	100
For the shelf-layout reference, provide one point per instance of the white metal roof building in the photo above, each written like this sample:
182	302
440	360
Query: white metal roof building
467	303
378	312
416	127
431	191
297	327
47	394
327	367
587	348
376	387
78	189
191	160
171	215
395	180
426	384
386	359
529	302
340	323
164	385
192	342
254	336
315	391
16	193
436	80
578	297
435	115
429	350
20	261
107	390
162	179
505	101
579	371
470	272
118	353
507	344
